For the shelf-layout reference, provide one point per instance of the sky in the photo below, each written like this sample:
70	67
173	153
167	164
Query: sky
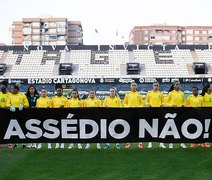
107	16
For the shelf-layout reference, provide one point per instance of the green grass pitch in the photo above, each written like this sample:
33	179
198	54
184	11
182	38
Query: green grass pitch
134	163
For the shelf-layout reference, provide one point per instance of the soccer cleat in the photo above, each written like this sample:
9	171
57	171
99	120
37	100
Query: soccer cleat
140	145
10	146
98	146
171	146
149	145
183	145
118	146
39	146
127	145
34	145
49	145
1	145
23	146
107	146
71	146
201	145
62	146
87	146
57	146
207	145
162	146
192	145
29	146
15	146
79	146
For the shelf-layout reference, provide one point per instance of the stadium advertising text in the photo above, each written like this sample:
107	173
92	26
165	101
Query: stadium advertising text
105	47
106	125
106	80
61	81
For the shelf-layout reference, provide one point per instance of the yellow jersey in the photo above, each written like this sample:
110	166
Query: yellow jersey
43	102
207	100
112	102
175	98
154	98
194	101
3	99
58	101
74	102
133	99
92	102
17	99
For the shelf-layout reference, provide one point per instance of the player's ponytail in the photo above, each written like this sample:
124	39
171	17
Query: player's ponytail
171	88
205	89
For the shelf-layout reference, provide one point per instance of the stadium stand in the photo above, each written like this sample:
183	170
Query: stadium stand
109	63
105	62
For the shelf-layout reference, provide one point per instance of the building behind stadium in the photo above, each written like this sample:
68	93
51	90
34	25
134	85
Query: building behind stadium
47	31
166	34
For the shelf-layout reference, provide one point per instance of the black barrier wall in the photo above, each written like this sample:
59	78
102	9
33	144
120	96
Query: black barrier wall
189	125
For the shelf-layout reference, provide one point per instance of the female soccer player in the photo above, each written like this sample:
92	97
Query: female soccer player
74	102
155	98
133	99
92	101
17	100
43	102
112	100
194	100
207	100
4	95
59	101
175	98
207	95
32	96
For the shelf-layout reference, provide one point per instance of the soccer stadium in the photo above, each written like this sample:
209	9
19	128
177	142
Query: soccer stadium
140	109
101	67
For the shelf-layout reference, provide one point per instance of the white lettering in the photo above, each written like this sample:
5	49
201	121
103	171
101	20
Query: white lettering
195	122
14	129
144	125
88	122
103	128
65	129
173	132
55	131
37	131
116	122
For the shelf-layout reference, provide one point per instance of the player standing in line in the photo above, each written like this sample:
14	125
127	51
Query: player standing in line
112	100
59	101
133	99
175	99
32	96
4	95
17	100
194	100
74	102
154	98
43	102
92	101
207	100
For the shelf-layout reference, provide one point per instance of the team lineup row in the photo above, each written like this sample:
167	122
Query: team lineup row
154	98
